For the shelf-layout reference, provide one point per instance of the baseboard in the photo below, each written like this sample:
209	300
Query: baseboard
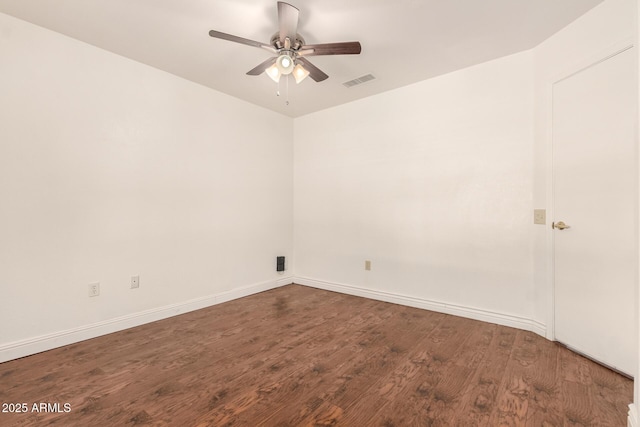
632	419
288	280
457	310
27	347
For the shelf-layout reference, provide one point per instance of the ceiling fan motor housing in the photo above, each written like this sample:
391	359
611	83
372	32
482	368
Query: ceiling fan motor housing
295	45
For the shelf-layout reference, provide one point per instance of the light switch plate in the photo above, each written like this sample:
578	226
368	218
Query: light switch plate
539	216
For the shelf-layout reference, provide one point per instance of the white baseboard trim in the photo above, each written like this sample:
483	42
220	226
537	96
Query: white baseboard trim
457	310
29	346
632	419
285	281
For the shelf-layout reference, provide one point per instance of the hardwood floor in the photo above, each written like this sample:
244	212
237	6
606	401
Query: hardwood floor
297	356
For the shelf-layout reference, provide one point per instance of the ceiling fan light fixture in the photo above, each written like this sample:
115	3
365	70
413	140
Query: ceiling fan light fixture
274	73
300	73
285	64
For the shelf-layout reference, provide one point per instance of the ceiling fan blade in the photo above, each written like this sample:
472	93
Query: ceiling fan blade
262	67
288	20
343	48
314	72
229	37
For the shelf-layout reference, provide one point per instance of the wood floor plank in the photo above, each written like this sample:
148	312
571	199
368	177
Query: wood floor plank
312	355
298	356
432	396
324	362
513	403
545	401
479	400
607	393
427	372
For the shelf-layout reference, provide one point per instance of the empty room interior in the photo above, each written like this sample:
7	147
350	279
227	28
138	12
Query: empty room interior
352	213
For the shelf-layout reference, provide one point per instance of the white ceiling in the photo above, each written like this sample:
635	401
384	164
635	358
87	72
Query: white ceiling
403	41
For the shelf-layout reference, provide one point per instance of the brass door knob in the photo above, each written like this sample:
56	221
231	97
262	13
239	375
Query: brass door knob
559	225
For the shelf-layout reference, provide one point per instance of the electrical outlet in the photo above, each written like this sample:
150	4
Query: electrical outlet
367	265
539	216
135	282
94	289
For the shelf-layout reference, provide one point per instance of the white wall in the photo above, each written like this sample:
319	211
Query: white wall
431	182
577	45
109	168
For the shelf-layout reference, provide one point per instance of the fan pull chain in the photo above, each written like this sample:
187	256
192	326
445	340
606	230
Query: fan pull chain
286	102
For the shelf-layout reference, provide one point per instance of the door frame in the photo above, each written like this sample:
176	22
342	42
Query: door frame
601	56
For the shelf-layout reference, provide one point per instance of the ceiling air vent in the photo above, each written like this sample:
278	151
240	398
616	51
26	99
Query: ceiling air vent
359	80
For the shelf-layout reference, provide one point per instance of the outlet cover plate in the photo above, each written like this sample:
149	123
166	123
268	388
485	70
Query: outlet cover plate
94	289
135	282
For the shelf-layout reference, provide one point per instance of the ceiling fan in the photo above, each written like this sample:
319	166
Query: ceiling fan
290	49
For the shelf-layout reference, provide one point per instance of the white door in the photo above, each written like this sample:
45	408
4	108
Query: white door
594	193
